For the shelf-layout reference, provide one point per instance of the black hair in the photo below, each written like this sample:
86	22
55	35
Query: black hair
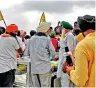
12	34
76	32
32	32
51	28
2	30
24	32
75	22
27	37
18	33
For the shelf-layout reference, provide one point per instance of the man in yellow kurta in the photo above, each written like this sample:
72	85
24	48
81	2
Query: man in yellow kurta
84	73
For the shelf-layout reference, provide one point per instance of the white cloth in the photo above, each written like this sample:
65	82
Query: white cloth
22	44
26	47
0	36
8	47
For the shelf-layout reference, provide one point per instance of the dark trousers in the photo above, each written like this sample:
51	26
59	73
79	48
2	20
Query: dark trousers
7	79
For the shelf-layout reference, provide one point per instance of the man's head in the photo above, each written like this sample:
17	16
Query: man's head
2	30
58	30
22	33
75	25
32	32
66	26
86	22
12	29
27	37
44	28
52	34
51	28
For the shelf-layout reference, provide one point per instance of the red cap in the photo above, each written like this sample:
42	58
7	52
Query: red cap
11	28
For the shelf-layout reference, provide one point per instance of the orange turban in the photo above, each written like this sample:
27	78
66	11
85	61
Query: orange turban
11	28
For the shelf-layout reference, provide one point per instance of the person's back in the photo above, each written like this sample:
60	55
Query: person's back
8	63
39	46
7	54
90	43
87	45
39	49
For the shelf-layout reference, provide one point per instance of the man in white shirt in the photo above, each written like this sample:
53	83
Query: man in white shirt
8	62
40	49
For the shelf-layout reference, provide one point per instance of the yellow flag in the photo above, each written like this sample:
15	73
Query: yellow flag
1	16
43	18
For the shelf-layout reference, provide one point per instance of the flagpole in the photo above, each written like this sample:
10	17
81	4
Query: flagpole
4	22
39	23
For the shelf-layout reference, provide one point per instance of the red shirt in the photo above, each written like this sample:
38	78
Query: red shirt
55	43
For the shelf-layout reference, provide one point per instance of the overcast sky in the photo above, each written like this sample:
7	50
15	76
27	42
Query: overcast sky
26	13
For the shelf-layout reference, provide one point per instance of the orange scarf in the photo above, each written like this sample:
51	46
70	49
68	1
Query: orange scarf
5	35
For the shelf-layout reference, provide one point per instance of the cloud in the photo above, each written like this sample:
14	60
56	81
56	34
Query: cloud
27	14
54	6
12	16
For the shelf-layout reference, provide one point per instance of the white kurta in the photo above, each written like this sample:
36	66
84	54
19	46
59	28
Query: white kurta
67	41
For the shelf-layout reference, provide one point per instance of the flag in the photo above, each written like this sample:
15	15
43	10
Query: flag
1	16
43	18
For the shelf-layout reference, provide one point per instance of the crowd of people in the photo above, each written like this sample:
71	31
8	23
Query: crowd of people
76	65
